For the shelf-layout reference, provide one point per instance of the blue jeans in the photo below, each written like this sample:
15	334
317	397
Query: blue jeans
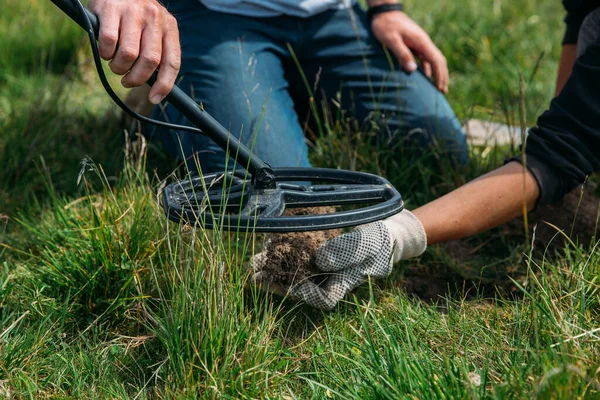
242	72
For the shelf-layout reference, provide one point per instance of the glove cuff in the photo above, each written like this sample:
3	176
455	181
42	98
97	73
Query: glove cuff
408	235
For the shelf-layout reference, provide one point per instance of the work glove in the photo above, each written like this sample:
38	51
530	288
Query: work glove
368	251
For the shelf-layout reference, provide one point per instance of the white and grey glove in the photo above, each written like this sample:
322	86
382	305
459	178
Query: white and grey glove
368	251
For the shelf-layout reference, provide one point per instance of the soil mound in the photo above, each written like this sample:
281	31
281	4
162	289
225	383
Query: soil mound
290	257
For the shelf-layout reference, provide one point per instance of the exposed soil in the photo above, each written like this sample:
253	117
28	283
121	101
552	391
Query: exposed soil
290	256
576	216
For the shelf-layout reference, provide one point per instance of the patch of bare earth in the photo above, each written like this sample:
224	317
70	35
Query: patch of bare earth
575	219
290	257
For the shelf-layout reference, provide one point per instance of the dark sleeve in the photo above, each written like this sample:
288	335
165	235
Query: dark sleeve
564	147
577	10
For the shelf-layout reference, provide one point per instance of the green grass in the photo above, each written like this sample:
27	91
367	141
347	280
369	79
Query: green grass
102	297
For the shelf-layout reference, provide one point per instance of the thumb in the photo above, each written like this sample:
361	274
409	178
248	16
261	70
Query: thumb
403	54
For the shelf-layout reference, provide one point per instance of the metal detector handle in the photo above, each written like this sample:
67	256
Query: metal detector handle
189	108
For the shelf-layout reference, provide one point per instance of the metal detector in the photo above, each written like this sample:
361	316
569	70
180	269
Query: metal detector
255	198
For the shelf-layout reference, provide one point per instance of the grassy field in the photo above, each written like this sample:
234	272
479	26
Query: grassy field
101	297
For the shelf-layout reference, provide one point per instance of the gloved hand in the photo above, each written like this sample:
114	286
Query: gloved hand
368	251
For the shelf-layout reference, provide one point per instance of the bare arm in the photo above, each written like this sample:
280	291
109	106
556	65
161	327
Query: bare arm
565	66
481	204
372	249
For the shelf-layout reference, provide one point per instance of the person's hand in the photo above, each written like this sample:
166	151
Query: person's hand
368	251
139	36
403	37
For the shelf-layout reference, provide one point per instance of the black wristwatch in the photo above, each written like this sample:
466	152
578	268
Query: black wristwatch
372	11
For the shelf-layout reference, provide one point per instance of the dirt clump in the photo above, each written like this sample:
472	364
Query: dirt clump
290	257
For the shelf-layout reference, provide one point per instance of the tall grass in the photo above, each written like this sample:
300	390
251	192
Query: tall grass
525	348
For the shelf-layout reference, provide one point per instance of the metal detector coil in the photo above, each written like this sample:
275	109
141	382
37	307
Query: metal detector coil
255	198
231	202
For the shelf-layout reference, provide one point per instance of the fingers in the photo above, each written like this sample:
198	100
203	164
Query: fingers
129	46
426	65
261	280
323	298
169	66
403	54
109	33
403	36
148	60
433	56
316	296
139	36
259	260
440	72
327	296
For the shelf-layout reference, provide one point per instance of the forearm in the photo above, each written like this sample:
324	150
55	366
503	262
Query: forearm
373	3
565	66
562	151
482	204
